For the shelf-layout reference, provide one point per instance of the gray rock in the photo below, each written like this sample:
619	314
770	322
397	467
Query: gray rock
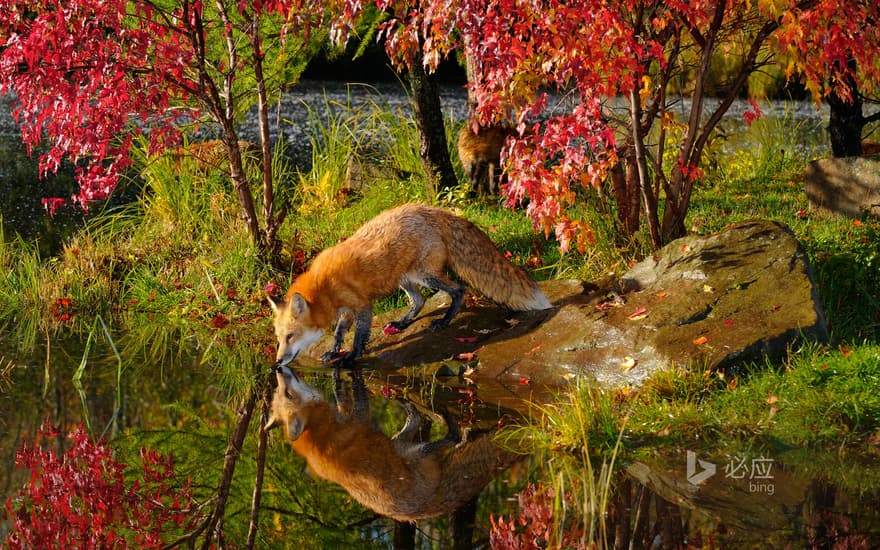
848	185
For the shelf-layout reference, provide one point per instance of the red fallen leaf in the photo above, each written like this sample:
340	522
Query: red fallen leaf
230	293
523	380
271	289
857	223
640	313
220	321
466	356
728	322
65	302
801	214
390	329
467	340
661	294
844	351
701	340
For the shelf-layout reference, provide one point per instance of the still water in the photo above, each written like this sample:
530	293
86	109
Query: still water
175	399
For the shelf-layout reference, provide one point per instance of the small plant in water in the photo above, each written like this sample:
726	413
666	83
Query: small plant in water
81	499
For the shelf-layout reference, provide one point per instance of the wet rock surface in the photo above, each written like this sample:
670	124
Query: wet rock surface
711	302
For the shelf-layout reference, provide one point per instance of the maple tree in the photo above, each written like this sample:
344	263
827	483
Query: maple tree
612	63
88	76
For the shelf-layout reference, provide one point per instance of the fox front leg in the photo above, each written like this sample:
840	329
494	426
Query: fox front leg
343	323
363	319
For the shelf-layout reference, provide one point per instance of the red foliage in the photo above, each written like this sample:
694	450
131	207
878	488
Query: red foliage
81	498
534	527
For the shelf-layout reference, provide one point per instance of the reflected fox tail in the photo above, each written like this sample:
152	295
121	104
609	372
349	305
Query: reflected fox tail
468	469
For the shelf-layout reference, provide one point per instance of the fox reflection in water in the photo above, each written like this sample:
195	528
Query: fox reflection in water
393	476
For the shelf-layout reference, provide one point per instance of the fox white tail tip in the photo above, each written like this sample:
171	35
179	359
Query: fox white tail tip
540	301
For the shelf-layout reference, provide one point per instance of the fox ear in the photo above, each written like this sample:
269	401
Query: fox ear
277	302
273	422
298	305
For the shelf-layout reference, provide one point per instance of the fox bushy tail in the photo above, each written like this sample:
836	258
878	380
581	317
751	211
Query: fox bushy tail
473	256
467	469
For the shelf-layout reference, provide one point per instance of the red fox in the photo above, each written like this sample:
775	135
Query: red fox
395	477
408	246
480	156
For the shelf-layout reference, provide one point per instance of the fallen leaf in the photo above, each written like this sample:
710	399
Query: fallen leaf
390	329
664	432
771	399
685	248
708	288
534	349
728	322
628	363
466	356
701	340
524	380
733	383
661	294
640	313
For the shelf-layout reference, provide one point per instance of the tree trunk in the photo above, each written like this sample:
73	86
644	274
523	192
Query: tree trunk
846	121
439	174
273	221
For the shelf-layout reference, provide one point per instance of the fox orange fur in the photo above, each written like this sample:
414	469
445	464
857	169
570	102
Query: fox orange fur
407	247
480	155
395	477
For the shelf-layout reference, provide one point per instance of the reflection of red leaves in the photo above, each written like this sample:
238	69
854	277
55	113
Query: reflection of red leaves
220	321
62	310
467	340
390	329
466	356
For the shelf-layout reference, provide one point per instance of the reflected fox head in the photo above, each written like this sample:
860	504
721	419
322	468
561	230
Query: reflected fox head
293	327
291	396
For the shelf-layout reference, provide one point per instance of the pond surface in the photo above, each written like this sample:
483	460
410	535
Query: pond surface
176	399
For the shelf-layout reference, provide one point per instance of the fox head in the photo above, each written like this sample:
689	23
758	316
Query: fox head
291	396
293	327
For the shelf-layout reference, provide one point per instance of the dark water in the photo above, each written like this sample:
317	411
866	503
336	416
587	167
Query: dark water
177	400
